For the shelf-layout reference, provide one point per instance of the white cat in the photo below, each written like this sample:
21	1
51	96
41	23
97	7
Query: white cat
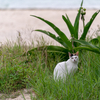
65	68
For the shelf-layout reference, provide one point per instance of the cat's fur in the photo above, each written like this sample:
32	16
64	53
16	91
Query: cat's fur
70	66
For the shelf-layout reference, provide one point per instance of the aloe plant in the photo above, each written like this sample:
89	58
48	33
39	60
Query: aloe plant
67	45
87	46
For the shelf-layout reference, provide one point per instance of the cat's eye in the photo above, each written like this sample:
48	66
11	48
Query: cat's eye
72	58
75	57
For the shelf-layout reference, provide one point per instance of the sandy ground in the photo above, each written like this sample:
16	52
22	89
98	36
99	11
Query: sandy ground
25	94
14	21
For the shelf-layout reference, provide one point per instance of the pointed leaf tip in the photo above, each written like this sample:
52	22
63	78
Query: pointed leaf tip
82	3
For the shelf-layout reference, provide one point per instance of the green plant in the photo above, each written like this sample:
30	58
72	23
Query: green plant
13	71
84	85
37	74
12	78
67	45
88	46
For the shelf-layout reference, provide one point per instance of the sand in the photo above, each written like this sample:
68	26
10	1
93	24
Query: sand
25	94
14	21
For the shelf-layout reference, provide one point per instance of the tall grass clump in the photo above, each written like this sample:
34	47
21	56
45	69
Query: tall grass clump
36	72
12	71
84	85
17	71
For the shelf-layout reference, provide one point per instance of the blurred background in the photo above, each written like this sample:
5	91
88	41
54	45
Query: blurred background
15	17
48	4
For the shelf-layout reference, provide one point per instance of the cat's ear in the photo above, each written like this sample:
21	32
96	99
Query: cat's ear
69	54
77	53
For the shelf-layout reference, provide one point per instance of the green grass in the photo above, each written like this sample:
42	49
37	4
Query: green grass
36	72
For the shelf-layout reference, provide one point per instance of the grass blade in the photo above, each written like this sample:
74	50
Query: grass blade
57	30
86	28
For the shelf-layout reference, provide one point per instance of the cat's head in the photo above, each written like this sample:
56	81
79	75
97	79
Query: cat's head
74	57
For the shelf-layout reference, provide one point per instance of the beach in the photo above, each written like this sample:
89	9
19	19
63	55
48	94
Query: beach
13	22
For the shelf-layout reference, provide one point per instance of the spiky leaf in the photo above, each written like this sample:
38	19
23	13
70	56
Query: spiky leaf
50	48
76	24
86	28
69	24
58	39
95	50
95	41
87	46
57	30
86	43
